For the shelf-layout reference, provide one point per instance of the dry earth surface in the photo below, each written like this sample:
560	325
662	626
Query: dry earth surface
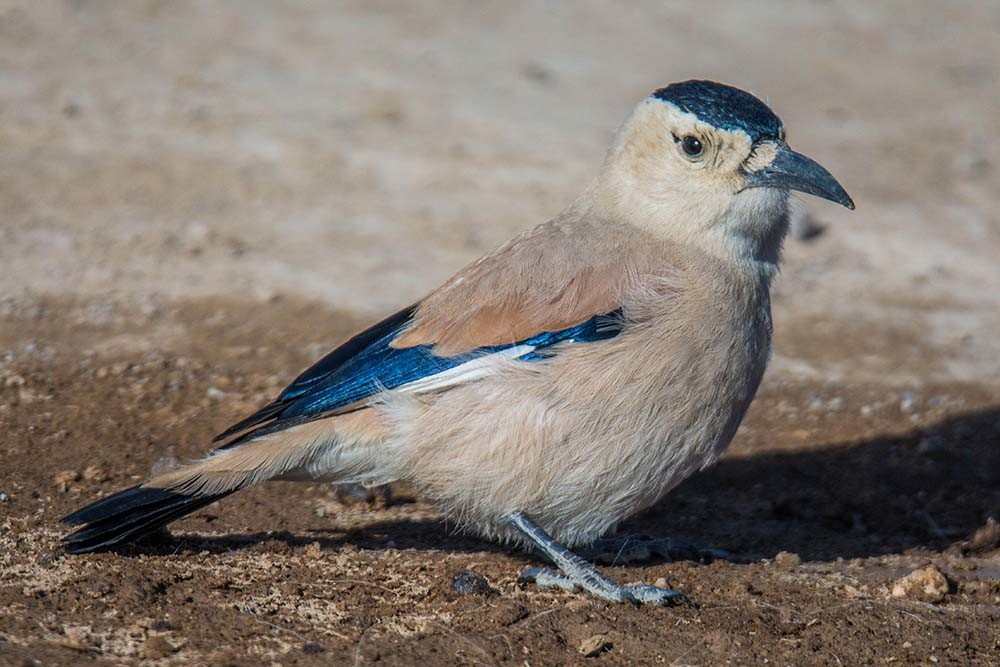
198	199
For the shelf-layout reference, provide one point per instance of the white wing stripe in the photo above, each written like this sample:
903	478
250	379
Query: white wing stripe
474	369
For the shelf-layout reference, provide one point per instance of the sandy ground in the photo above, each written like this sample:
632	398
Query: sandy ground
198	199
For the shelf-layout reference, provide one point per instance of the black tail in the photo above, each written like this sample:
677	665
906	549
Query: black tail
128	515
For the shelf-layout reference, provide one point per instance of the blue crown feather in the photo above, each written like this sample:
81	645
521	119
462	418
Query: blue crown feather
723	107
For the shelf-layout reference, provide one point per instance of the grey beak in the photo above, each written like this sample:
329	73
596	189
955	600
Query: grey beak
793	171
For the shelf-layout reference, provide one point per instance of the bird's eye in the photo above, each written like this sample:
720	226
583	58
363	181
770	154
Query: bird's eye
692	146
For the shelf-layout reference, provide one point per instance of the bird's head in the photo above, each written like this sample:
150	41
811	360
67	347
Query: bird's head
698	156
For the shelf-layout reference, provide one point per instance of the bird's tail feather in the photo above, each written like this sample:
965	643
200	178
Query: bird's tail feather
132	513
331	449
128	515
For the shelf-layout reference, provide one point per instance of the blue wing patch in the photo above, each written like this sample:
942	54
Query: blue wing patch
367	364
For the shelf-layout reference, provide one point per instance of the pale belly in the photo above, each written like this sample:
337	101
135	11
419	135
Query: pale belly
587	440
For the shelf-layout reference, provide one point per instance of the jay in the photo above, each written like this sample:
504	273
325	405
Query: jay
564	381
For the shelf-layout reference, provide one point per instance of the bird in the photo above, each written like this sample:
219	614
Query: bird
562	382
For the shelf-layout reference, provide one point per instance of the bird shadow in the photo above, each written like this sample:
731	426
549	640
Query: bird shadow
929	489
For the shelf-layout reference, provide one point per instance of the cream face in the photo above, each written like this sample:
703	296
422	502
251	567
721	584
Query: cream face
654	147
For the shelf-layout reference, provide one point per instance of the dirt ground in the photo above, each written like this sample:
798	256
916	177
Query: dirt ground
199	199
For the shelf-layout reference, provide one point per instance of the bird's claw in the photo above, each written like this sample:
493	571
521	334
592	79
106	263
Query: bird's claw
655	595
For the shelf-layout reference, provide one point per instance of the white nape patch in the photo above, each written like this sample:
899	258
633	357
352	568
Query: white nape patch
475	369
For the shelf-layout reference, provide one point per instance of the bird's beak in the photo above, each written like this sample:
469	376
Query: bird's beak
793	171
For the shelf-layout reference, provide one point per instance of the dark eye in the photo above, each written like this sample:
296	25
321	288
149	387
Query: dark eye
691	145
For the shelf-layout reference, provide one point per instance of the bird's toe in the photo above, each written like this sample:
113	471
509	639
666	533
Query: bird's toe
544	578
655	595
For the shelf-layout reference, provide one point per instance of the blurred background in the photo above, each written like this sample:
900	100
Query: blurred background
199	198
357	154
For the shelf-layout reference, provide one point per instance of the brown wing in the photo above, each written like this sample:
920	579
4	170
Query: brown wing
551	278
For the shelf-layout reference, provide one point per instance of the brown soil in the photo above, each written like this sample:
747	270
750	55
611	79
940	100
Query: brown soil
199	199
830	494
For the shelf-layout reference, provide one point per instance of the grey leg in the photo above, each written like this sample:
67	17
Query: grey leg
578	573
633	548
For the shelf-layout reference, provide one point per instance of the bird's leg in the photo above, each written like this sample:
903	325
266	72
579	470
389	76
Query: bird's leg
635	548
579	573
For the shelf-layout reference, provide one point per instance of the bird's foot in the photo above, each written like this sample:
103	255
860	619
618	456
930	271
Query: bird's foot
638	548
579	573
544	578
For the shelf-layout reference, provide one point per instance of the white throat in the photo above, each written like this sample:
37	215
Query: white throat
755	226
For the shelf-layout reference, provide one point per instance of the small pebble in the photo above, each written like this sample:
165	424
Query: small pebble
351	494
786	560
325	507
986	537
928	584
594	646
65	478
94	474
313	551
467	582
